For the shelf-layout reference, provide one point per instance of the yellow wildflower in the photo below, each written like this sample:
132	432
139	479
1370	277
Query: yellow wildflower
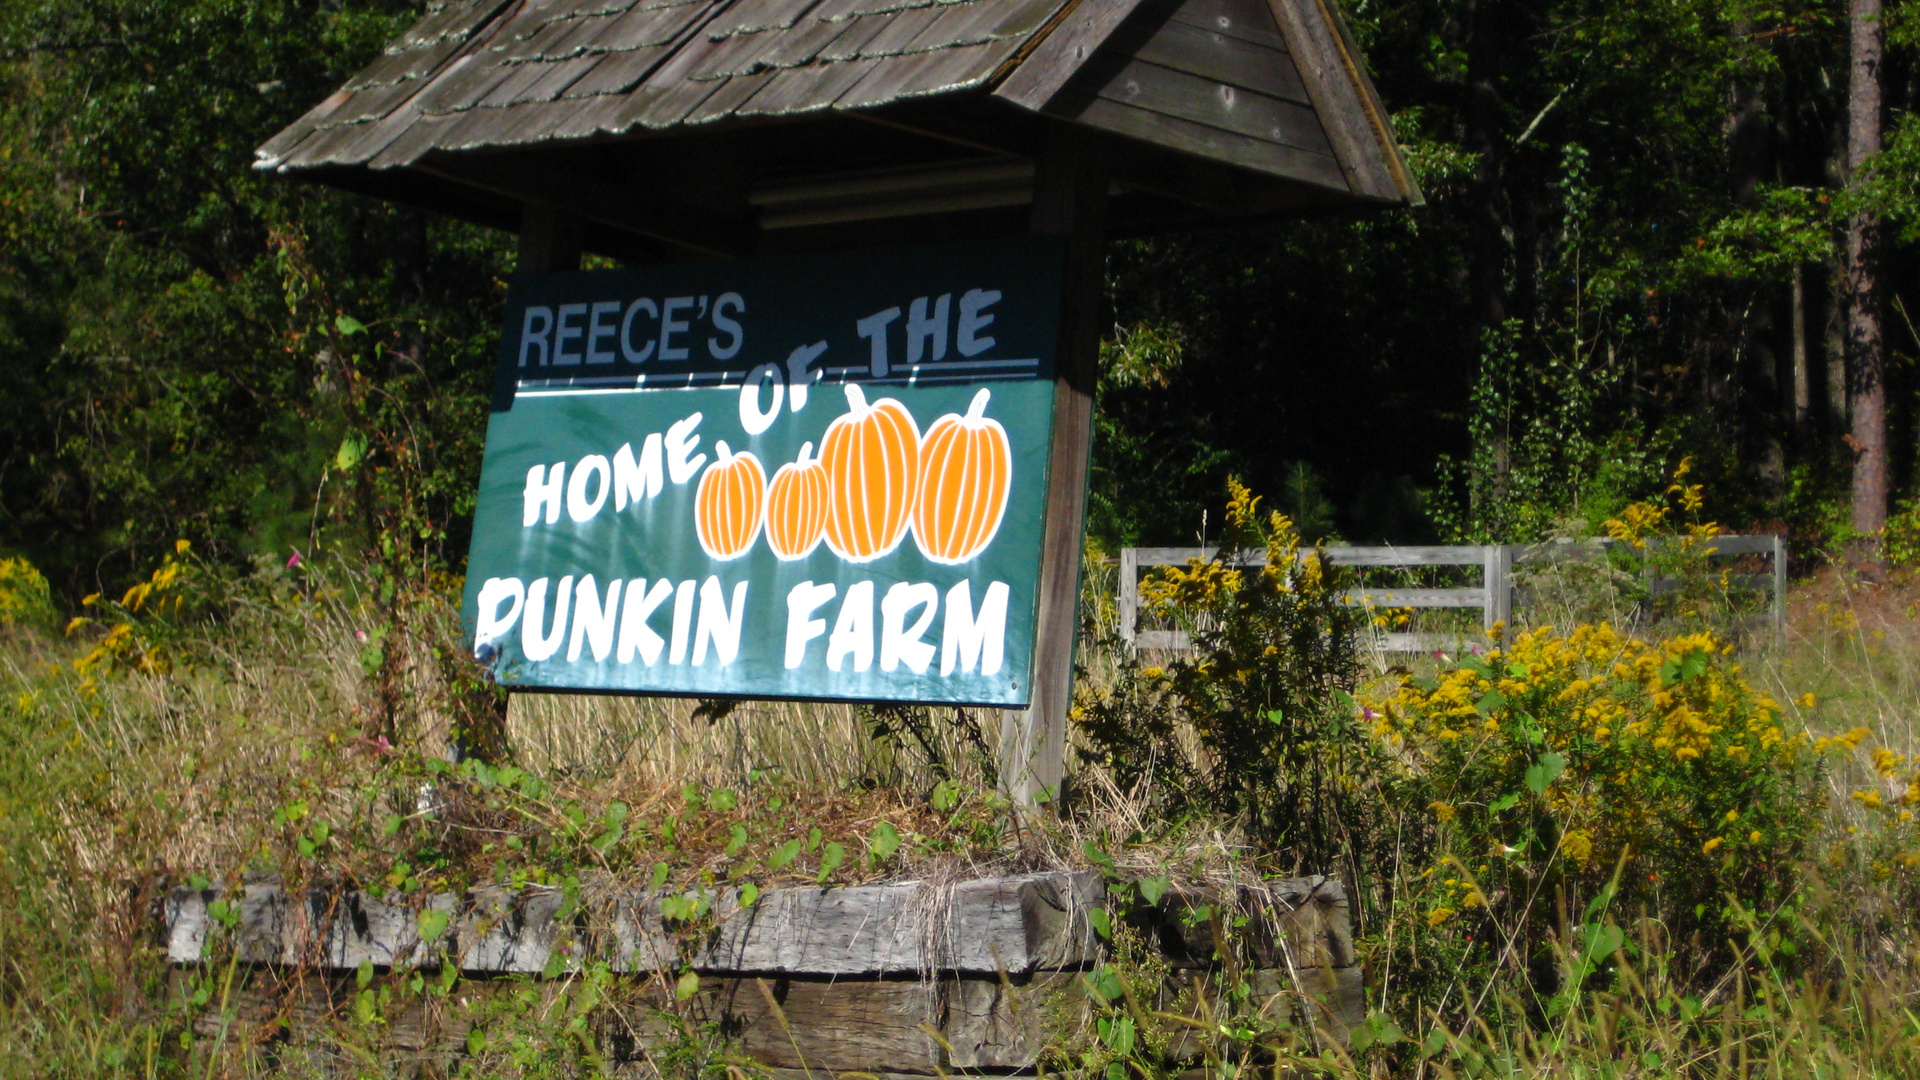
1578	846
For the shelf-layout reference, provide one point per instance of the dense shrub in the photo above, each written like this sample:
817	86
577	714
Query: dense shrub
24	597
1255	722
1564	767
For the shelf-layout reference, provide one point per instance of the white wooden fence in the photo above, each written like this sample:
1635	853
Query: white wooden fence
1493	596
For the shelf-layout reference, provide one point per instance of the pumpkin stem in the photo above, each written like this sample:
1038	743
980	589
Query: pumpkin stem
720	448
806	448
979	407
857	399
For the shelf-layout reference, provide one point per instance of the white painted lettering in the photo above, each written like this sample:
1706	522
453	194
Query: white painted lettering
670	326
593	619
899	643
751	417
492	625
563	332
682	622
579	507
874	329
633	481
723	322
802	602
543	490
635	634
717	624
972	321
681	442
967	639
597	329
923	328
640	355
535	336
853	629
537	644
801	374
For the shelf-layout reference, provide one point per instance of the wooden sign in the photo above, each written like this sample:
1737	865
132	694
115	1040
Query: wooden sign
820	477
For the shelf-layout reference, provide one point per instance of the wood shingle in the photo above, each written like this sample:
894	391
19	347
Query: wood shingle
1222	106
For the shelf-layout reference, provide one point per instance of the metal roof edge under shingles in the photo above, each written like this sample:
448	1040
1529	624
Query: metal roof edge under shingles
497	74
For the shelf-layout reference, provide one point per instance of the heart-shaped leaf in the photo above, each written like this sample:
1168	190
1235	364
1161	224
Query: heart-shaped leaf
1544	772
433	923
1153	888
1101	922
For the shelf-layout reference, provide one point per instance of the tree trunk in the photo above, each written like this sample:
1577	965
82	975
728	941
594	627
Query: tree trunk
1802	377
1763	414
1866	345
1487	232
1486	224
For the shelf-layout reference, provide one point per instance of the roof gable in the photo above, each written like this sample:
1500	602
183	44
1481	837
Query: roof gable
1215	109
487	73
1214	78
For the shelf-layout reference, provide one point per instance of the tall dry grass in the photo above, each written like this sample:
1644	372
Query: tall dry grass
111	787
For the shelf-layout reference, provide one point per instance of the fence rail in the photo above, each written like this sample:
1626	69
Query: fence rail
1494	596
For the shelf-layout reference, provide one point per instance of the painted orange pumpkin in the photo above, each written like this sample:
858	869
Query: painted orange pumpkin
797	506
966	470
872	457
727	507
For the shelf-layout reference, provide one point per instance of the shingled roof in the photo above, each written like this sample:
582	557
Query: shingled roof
480	90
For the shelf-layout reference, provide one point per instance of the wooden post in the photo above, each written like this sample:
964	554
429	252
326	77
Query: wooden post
549	240
1129	594
549	243
1499	587
1779	547
1070	200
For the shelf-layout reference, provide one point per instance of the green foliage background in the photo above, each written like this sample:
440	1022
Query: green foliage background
157	301
1596	285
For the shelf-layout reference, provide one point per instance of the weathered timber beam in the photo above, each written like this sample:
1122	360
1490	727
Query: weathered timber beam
1045	67
299	953
1013	924
1016	925
1070	201
550	240
790	1027
695	232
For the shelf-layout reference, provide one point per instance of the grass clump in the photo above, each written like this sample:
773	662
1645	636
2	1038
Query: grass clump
1570	768
1609	849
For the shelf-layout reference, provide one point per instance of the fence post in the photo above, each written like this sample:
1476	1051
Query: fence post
1129	601
1779	589
1497	562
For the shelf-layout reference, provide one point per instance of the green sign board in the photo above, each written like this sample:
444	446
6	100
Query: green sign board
820	477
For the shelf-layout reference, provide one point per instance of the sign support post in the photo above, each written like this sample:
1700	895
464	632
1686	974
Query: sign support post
1070	200
549	240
